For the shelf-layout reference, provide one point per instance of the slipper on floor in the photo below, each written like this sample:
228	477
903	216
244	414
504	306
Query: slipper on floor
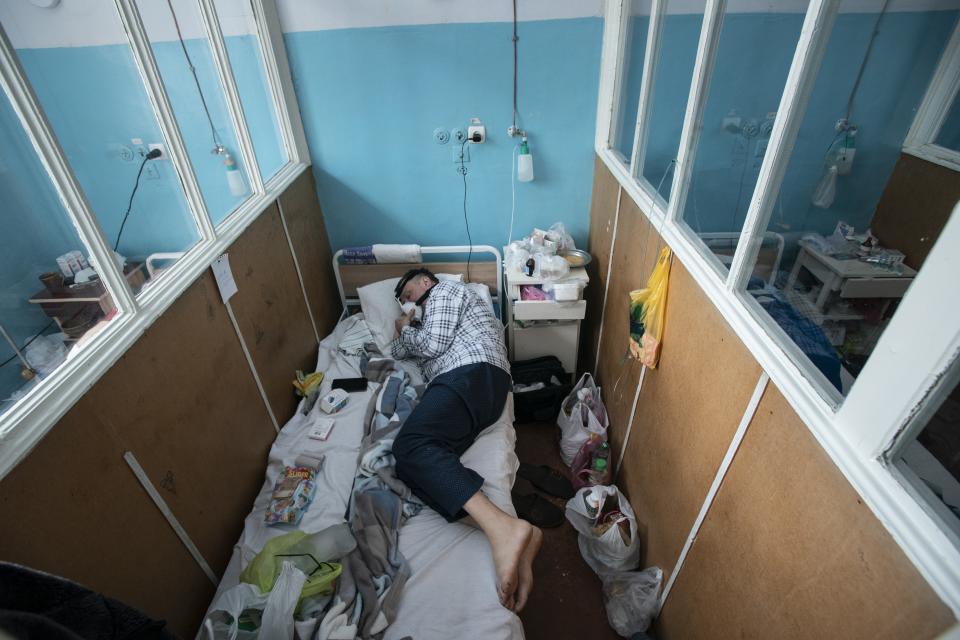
547	480
537	510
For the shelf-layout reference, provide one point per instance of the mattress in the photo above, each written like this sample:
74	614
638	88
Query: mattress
452	585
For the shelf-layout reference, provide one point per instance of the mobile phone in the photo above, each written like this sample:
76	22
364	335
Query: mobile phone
350	384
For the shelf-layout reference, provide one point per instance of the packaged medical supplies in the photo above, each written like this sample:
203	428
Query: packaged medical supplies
648	308
334	401
581	414
292	494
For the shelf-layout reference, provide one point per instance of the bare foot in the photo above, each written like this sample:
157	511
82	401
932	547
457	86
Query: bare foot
508	542
525	571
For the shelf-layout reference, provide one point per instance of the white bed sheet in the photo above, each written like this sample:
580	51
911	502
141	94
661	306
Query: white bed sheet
452	586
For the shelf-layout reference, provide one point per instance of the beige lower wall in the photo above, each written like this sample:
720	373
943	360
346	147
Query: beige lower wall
787	550
184	401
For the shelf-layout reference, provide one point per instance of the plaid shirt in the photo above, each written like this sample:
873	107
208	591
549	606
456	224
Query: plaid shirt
458	328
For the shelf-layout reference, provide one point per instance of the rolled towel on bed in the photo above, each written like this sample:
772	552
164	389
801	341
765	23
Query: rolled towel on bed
394	253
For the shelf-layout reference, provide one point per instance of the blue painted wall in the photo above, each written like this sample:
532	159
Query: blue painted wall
371	98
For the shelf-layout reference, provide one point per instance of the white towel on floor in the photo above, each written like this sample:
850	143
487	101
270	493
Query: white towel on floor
394	253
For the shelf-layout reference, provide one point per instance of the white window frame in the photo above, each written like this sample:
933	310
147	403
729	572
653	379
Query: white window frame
932	113
859	432
26	422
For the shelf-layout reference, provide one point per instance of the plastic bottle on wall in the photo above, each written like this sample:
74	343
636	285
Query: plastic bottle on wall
524	163
235	181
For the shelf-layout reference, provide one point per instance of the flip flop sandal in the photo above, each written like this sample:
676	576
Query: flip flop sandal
547	480
537	510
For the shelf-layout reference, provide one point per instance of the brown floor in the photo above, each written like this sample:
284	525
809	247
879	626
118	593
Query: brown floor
567	601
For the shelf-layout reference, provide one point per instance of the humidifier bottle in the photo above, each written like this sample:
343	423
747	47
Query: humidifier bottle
524	163
235	181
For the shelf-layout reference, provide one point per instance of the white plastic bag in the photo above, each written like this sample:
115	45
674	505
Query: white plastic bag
632	599
277	605
581	414
552	267
46	353
607	551
558	233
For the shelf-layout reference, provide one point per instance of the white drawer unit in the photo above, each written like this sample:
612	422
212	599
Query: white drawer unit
549	310
544	327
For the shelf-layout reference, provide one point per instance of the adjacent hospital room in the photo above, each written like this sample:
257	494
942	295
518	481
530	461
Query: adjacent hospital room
439	319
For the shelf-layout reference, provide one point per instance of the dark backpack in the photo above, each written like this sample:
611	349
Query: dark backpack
541	404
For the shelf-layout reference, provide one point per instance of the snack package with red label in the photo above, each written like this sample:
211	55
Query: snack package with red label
292	494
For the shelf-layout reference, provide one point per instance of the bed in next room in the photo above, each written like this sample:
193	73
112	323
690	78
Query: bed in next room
451	582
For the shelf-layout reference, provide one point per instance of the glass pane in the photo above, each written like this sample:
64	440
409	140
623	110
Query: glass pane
42	313
949	135
934	457
180	46
821	280
631	73
249	73
741	106
93	96
678	52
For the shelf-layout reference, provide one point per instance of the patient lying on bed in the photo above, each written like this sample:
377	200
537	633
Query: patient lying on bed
459	346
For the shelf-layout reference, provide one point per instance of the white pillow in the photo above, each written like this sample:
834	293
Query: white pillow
381	309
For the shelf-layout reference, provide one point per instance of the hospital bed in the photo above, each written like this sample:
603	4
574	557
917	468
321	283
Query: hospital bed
451	592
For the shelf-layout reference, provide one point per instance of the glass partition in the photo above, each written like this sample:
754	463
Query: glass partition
241	36
50	296
182	51
88	85
637	22
738	117
841	249
671	86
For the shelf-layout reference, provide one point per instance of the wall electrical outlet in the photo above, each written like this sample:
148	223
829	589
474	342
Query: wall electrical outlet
476	127
163	152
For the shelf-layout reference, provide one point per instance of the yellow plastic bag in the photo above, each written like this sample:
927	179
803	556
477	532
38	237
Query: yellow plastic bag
647	312
262	572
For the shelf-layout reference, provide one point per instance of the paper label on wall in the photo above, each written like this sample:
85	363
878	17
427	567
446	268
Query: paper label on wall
224	277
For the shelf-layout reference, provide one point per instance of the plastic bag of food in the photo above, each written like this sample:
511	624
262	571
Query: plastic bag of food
648	309
245	611
632	599
608	537
581	414
591	465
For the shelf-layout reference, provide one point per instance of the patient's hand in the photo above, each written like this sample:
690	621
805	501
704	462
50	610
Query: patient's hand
404	320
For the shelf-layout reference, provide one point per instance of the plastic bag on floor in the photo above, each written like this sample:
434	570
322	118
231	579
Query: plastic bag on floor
587	470
608	537
581	414
242	605
632	599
